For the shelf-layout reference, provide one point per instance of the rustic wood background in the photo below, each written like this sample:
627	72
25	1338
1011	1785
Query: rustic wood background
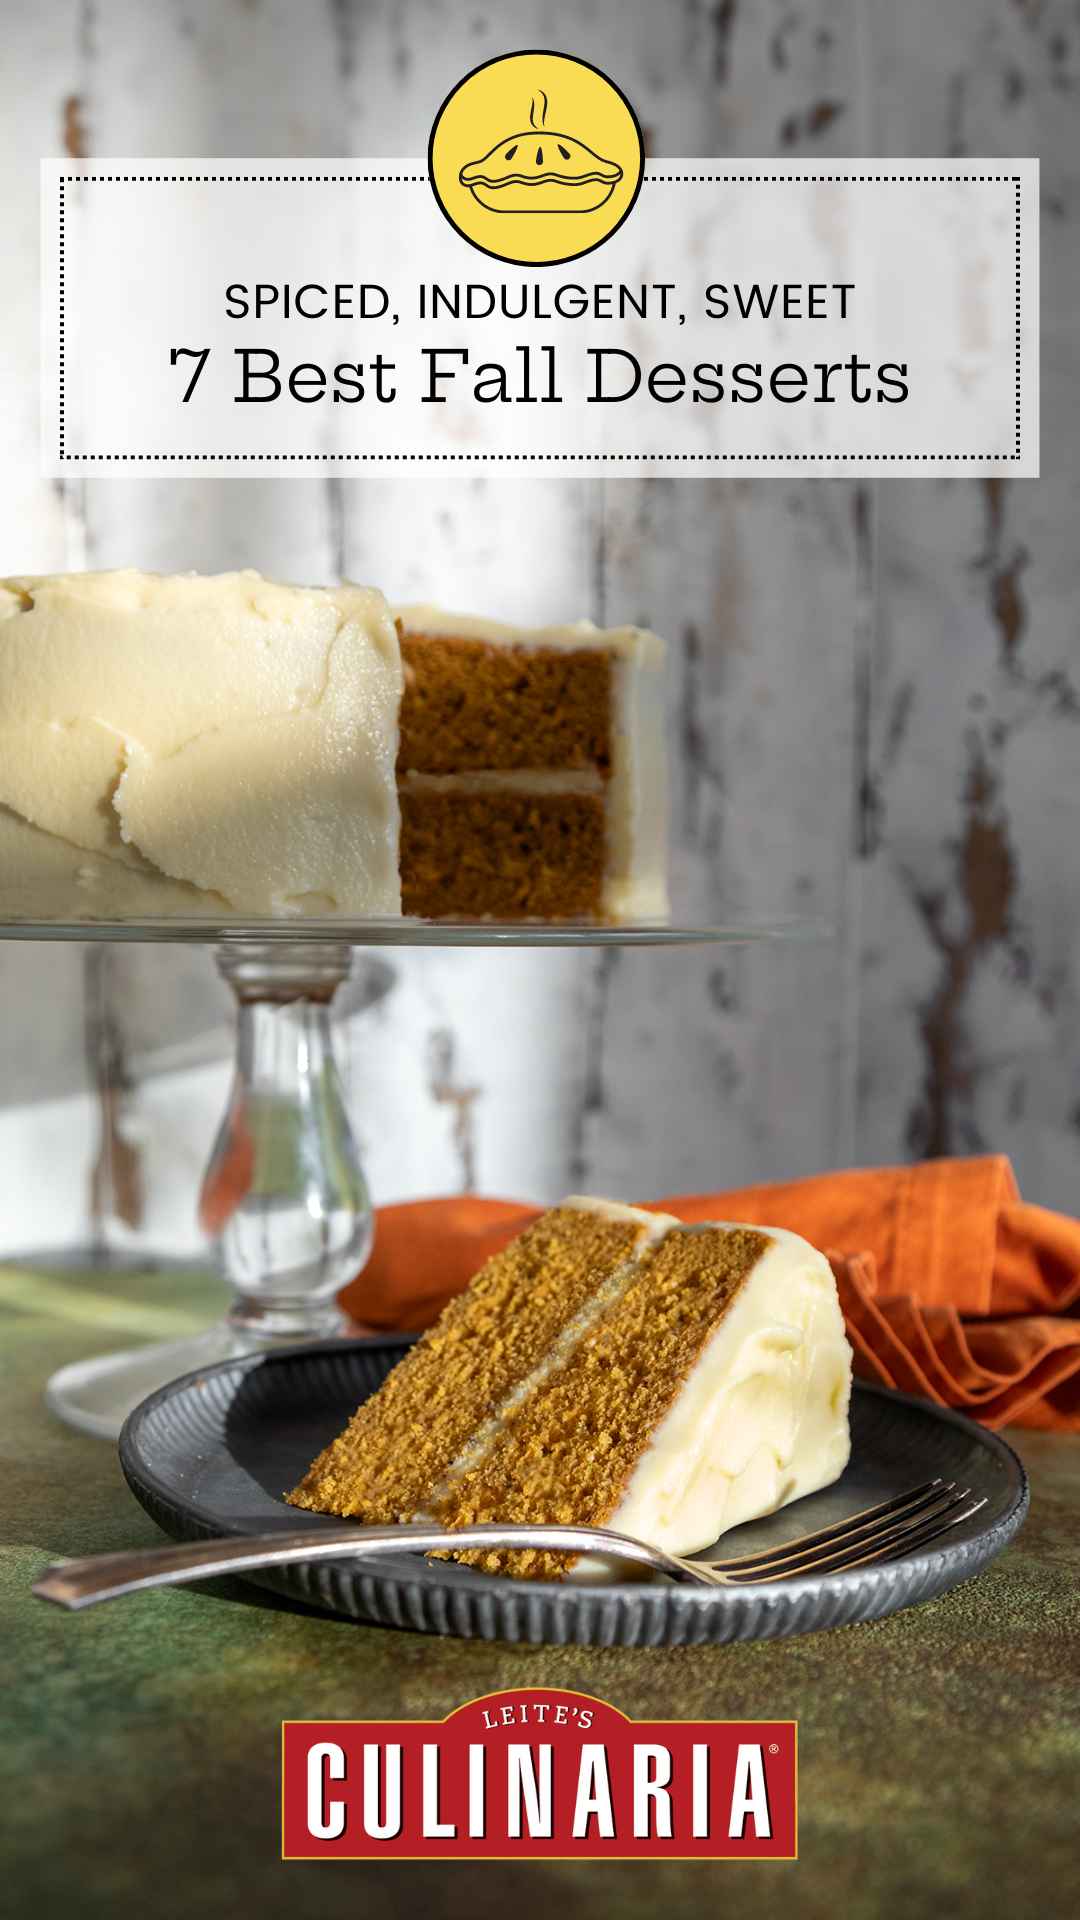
875	687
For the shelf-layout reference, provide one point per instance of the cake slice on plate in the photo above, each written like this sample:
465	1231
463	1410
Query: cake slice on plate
611	1367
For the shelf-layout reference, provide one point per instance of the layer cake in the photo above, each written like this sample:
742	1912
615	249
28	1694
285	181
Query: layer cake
226	745
610	1367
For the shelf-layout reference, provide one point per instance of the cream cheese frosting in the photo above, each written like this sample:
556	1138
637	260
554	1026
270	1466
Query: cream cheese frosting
228	742
45	878
762	1418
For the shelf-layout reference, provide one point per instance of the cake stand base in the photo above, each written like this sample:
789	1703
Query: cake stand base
96	1396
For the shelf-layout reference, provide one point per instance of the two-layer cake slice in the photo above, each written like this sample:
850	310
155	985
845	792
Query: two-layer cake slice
610	1367
531	772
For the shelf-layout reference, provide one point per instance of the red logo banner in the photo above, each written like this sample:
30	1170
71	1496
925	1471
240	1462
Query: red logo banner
540	1773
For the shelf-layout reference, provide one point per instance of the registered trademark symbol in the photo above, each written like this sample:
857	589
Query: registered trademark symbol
774	1748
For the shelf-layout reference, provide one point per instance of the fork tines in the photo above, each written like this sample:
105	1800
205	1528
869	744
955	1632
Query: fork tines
896	1526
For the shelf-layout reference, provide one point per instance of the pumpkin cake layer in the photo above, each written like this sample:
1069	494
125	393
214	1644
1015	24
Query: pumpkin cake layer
700	1379
530	770
399	1445
512	853
572	1448
473	705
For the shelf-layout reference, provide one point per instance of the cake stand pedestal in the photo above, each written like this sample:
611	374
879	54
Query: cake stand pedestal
284	1201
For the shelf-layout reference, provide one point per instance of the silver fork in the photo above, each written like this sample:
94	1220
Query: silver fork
902	1525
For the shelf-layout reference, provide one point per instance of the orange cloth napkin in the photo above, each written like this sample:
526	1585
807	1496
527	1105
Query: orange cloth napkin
952	1286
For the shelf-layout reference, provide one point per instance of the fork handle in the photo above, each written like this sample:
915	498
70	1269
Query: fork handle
105	1576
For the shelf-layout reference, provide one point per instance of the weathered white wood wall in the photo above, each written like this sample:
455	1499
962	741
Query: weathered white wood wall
875	688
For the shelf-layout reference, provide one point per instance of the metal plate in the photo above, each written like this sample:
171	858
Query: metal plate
213	1452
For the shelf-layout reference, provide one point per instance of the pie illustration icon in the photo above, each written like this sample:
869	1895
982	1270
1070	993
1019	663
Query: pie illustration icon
540	172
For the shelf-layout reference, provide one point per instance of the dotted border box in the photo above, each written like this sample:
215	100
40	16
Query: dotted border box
650	179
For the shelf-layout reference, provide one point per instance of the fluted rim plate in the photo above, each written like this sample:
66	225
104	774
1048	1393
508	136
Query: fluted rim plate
212	1453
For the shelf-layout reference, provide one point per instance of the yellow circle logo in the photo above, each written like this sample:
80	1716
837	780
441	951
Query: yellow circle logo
536	158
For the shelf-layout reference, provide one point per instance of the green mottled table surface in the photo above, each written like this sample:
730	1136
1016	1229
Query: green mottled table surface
940	1750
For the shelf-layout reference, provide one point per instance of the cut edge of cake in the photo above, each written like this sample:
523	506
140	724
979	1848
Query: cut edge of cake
625	779
703	1379
484	1343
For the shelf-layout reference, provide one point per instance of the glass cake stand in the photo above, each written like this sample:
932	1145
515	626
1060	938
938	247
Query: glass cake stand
284	1201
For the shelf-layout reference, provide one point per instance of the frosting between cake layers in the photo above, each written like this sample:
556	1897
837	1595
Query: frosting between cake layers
762	1418
551	780
653	1228
182	743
